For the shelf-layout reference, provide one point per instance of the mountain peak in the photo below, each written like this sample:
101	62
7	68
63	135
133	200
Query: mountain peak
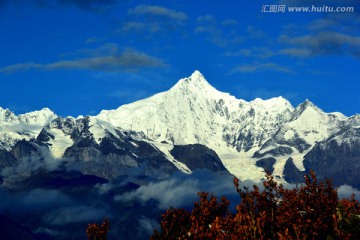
197	75
196	78
196	83
306	108
39	117
308	104
6	115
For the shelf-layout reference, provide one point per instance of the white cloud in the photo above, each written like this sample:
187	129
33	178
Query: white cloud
159	11
230	22
180	190
147	226
91	40
296	52
134	26
255	67
330	35
106	58
74	214
167	193
206	19
345	191
323	43
255	52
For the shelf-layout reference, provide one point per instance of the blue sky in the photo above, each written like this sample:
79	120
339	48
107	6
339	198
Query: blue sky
78	57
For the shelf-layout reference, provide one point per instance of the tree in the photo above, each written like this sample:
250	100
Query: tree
98	232
199	224
311	211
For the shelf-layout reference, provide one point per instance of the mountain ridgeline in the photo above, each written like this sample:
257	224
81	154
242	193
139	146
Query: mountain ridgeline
191	126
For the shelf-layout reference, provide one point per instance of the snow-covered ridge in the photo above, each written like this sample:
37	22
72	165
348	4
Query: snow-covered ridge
24	126
35	118
192	111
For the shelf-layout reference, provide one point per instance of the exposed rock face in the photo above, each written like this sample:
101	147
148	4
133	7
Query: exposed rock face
6	159
279	151
339	160
267	164
291	173
197	156
114	154
24	149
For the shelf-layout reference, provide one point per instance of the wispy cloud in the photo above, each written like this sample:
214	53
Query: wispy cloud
166	192
230	22
206	19
133	26
127	60
254	51
208	26
74	214
148	20
323	43
345	191
180	190
255	67
93	40
21	67
147	226
255	33
296	52
331	35
214	33
158	11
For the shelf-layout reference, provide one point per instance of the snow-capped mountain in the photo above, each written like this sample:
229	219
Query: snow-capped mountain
14	128
194	112
247	137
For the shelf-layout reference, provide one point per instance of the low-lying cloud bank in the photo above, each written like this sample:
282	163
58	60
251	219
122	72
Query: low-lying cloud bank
181	189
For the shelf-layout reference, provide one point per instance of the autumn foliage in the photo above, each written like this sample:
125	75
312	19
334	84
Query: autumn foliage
97	231
311	211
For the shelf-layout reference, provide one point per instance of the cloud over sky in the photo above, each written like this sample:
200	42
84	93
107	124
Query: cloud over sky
127	60
150	20
346	191
158	11
323	43
231	43
261	67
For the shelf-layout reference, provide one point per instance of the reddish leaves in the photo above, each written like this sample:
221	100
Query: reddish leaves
97	231
203	222
312	211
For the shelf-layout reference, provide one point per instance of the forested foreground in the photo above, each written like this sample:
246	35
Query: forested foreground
309	211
